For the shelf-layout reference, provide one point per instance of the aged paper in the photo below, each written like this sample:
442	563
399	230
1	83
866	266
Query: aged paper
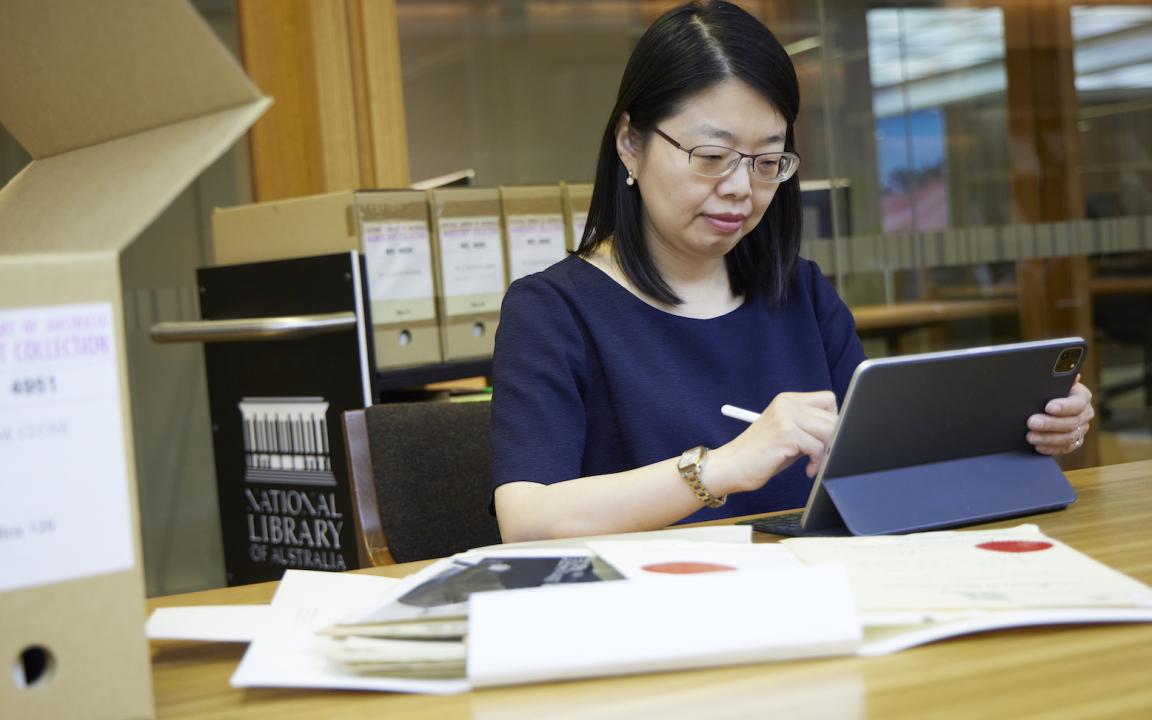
1015	568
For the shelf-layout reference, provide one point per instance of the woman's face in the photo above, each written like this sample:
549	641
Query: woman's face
690	216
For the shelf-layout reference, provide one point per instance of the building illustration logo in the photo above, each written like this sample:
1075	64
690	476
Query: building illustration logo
292	515
286	441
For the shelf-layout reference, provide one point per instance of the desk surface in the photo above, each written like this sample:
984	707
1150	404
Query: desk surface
975	302
914	313
1069	672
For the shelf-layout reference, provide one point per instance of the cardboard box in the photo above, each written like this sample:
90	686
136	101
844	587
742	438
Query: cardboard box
389	227
534	228
121	105
577	200
468	246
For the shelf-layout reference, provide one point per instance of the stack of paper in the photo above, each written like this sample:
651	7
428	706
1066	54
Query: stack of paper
420	631
295	652
517	615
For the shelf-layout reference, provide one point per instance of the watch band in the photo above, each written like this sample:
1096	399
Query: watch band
690	466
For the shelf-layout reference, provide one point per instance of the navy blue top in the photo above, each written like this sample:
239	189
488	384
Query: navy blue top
589	379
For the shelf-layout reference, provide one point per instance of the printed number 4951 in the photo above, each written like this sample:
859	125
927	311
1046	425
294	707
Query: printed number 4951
43	385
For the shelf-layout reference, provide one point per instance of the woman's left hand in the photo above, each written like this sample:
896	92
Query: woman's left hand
1062	427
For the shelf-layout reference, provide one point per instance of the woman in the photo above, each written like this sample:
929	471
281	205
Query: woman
686	293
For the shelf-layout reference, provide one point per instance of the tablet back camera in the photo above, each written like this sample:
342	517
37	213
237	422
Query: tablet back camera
1068	360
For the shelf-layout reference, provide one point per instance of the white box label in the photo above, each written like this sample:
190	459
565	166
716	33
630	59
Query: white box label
579	220
399	259
534	243
65	511
472	256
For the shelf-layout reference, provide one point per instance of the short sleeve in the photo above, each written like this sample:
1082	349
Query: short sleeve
842	345
538	369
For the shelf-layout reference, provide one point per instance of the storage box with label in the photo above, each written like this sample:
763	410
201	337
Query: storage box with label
121	105
534	228
577	200
389	227
469	252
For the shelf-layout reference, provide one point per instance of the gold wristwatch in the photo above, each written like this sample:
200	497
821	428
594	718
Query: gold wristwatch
690	465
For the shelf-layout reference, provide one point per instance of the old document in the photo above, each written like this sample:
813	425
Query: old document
1015	568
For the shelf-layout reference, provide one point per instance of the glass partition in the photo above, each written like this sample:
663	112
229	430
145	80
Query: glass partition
1113	64
985	164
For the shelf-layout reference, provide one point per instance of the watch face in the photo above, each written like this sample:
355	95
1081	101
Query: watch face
690	457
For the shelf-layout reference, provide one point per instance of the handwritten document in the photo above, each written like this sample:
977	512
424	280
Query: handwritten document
1014	568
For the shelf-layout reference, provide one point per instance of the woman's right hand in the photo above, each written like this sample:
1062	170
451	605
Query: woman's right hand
793	425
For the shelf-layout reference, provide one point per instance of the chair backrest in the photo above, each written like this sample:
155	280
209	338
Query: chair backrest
421	480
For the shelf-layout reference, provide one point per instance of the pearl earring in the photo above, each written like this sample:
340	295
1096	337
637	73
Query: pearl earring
630	180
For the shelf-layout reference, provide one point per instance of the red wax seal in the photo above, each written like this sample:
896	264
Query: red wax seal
1015	546
687	568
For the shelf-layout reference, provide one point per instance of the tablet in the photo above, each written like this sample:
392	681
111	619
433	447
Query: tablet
938	440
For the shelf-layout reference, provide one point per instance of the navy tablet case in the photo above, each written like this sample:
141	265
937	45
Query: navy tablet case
938	440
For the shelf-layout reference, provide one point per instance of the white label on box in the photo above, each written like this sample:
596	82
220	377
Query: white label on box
534	243
579	220
472	256
399	259
65	511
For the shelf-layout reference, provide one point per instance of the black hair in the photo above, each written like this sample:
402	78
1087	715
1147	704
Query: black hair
686	51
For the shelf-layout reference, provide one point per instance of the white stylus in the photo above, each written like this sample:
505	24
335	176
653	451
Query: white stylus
739	413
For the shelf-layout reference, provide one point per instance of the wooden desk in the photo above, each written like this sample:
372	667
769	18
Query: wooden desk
1067	672
996	301
893	321
904	315
1120	284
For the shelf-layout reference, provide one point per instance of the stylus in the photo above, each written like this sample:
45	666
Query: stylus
739	413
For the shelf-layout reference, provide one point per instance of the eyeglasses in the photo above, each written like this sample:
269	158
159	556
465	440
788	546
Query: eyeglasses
718	161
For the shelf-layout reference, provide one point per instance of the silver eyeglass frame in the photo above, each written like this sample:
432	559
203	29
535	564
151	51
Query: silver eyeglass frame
743	156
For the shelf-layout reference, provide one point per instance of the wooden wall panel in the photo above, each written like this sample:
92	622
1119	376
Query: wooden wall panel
333	69
1044	151
380	93
332	81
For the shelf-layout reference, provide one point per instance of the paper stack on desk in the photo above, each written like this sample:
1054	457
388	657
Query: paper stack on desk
421	631
566	618
680	604
291	655
560	630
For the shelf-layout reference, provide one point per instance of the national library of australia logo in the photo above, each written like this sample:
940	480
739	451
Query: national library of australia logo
286	441
292	515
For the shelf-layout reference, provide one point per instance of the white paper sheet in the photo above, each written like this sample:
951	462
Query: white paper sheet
614	628
289	656
210	623
657	558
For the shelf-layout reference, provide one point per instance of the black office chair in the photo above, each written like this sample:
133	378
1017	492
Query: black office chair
420	477
1124	318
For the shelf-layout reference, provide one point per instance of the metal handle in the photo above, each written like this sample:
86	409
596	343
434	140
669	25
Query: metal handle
271	328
